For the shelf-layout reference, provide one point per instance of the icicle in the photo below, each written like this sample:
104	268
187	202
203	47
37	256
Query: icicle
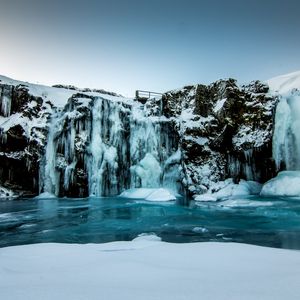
69	175
5	106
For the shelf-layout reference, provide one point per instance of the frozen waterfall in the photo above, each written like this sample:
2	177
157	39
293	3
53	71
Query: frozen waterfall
286	138
101	147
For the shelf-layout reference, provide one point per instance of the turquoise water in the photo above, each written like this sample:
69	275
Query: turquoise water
273	222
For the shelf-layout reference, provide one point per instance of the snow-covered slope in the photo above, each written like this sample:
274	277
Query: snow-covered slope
285	83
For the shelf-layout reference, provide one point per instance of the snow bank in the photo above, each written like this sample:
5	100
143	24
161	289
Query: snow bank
227	188
286	183
148	270
149	194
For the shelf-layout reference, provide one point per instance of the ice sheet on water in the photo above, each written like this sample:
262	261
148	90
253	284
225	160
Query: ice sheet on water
149	194
45	195
244	203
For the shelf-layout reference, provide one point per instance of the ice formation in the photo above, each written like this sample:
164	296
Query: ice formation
286	138
114	143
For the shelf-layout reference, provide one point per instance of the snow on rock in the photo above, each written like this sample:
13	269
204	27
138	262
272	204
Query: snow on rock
225	131
58	95
149	194
227	188
219	105
286	183
6	193
148	270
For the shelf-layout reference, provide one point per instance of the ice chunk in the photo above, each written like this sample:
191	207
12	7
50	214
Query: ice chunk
286	183
149	237
205	198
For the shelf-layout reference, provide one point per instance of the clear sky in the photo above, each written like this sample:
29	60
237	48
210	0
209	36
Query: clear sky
158	45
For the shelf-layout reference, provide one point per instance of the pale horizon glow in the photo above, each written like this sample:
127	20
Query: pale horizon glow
154	45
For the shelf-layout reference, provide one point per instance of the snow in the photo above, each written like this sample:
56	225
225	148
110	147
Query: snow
246	134
149	194
286	183
285	83
219	105
227	188
148	269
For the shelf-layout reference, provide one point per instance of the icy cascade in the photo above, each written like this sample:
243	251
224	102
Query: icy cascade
49	179
5	99
286	138
108	146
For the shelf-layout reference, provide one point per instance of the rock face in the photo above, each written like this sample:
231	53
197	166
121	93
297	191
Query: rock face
98	143
22	137
225	132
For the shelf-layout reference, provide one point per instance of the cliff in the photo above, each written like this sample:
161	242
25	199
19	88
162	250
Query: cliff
75	143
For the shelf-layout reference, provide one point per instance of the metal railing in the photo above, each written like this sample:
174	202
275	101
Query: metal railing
146	95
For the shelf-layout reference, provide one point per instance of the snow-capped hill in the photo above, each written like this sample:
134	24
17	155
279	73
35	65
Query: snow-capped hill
58	95
285	83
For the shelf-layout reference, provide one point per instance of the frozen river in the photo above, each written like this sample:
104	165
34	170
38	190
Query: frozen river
273	222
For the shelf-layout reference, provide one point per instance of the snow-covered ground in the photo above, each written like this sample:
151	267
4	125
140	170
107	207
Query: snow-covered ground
147	268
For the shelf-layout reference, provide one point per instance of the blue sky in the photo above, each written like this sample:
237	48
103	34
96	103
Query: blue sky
154	45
